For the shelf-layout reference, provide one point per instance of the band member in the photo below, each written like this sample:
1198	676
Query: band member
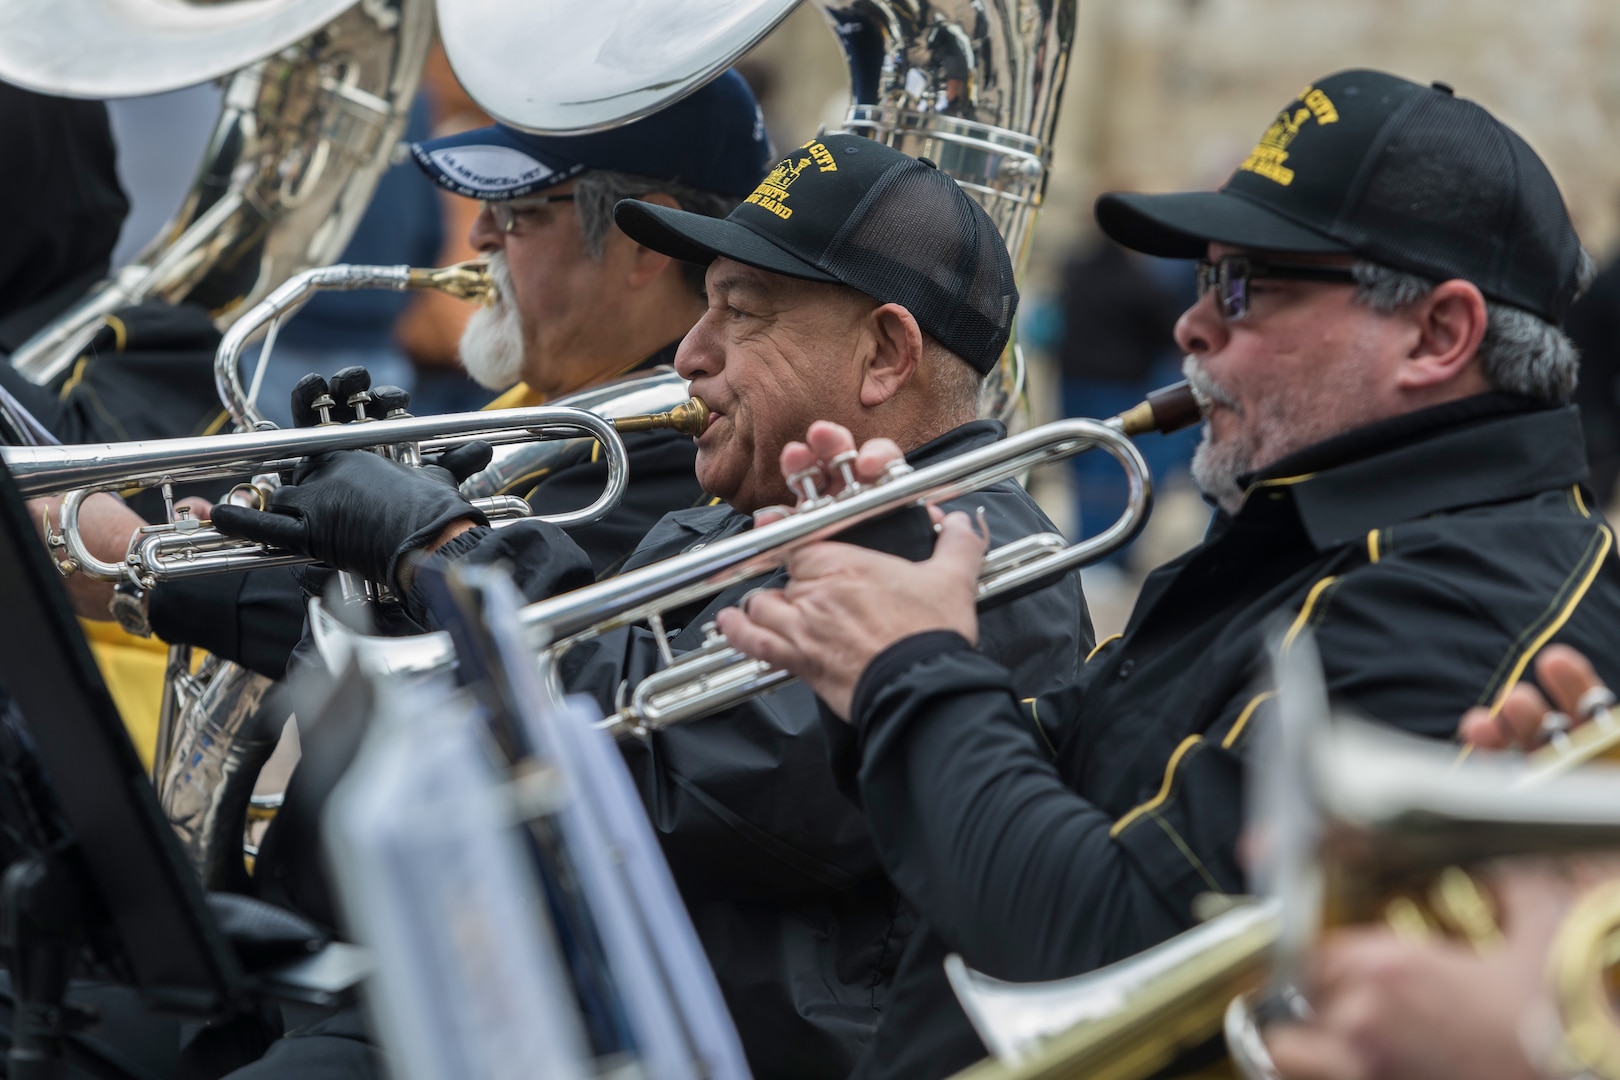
1387	1006
581	304
854	281
1395	467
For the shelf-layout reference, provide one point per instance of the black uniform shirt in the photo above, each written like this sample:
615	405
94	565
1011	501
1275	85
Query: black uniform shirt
1432	555
775	863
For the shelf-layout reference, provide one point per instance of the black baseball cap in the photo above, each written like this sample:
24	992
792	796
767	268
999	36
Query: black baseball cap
843	208
1408	176
712	140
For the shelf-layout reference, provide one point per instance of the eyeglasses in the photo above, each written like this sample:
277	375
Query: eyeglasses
507	212
1229	277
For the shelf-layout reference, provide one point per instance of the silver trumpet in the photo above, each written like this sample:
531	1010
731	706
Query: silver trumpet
186	547
716	676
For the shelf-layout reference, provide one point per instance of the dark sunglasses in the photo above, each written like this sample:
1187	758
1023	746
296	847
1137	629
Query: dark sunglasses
1229	278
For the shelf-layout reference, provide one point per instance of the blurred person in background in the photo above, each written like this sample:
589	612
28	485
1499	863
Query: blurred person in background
429	331
1117	342
1593	324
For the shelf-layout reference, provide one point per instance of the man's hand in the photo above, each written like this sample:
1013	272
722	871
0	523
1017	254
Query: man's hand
1395	1009
846	604
1521	721
107	527
354	510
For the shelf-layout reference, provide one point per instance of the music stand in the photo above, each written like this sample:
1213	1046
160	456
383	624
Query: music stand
117	882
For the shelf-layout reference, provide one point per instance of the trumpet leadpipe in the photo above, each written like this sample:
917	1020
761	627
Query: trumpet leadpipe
470	280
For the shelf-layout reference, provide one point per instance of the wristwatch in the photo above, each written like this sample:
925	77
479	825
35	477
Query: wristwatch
131	607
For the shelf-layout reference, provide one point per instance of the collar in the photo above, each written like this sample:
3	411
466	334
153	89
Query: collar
958	440
1486	449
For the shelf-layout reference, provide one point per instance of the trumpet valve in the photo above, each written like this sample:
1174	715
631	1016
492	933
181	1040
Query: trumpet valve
894	470
844	464
806	487
358	403
323	407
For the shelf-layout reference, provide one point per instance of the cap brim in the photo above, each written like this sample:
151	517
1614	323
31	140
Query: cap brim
491	163
1182	226
695	238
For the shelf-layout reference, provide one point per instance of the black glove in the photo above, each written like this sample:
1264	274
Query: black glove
354	510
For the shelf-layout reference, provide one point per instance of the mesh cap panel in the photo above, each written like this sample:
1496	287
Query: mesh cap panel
918	240
1441	167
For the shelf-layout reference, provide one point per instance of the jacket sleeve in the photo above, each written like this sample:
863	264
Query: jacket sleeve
1022	875
253	618
542	560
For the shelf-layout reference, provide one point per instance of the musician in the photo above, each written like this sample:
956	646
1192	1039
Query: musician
148	371
854	281
1395	467
1400	1009
581	304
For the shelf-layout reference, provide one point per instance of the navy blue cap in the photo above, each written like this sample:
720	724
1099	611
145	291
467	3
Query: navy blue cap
712	140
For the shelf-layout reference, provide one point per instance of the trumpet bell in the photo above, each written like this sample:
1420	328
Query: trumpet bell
125	48
555	69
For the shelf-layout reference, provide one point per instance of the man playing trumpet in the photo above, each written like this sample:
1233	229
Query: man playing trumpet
855	282
1388	442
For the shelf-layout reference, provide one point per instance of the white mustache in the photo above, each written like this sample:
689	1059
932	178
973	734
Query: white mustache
1205	389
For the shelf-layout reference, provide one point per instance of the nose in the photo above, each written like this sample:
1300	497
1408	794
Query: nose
485	236
698	354
1201	330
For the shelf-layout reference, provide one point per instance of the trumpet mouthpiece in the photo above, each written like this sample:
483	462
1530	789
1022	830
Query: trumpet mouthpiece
469	280
689	418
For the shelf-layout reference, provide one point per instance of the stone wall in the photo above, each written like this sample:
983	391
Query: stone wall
1167	94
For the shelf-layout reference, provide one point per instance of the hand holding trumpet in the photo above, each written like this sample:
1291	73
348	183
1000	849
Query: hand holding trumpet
1390	1007
845	604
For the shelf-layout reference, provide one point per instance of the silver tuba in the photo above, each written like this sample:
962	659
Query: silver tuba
971	84
306	130
319	97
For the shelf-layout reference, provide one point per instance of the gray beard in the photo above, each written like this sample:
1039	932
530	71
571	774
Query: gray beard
1215	468
492	343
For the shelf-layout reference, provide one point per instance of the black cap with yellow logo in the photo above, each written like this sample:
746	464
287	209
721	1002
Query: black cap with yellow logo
845	209
1405	175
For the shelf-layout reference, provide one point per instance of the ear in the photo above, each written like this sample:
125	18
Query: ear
1450	324
645	264
897	350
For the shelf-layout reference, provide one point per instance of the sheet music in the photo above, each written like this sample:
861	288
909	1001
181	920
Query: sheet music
671	994
469	981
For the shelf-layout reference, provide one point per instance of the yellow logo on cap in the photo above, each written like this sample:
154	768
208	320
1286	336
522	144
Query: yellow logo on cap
772	191
1268	156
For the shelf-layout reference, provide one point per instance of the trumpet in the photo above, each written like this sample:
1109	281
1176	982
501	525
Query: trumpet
1362	823
186	547
716	676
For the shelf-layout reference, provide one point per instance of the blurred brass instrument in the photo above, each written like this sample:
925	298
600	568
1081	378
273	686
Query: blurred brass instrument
716	676
466	281
317	96
1360	823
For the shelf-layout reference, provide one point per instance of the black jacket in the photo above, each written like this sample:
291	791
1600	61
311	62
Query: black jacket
1431	555
774	861
147	374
